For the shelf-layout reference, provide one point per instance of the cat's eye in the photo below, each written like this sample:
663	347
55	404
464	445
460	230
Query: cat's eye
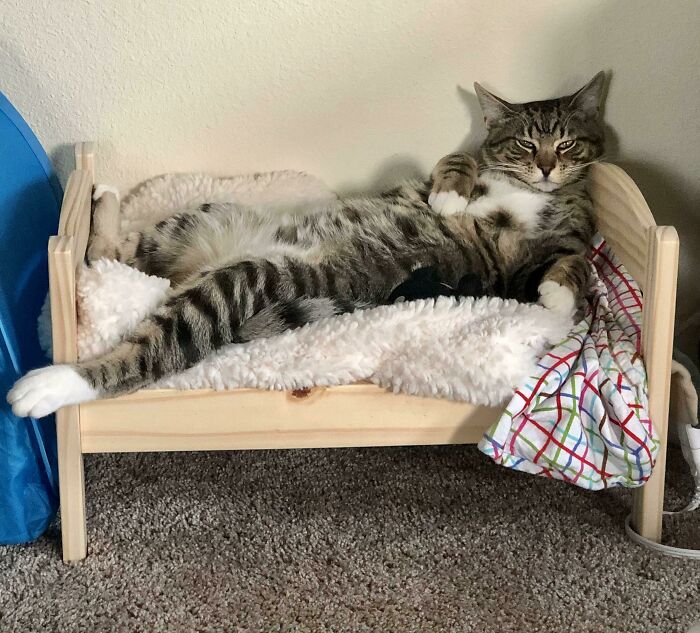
564	145
528	145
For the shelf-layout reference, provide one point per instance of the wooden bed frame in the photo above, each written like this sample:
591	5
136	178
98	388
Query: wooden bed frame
354	415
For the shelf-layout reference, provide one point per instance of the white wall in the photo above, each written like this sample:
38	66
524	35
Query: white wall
357	92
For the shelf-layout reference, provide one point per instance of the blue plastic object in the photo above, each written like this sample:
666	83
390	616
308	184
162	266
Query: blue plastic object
30	199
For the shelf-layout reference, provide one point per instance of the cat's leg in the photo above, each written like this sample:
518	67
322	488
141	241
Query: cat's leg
162	250
175	248
235	304
564	283
453	180
554	270
105	238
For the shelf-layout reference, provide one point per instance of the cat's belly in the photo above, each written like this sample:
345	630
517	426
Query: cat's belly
228	237
524	207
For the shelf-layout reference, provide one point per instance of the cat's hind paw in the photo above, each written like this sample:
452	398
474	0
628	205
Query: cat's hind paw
45	390
101	190
556	297
447	202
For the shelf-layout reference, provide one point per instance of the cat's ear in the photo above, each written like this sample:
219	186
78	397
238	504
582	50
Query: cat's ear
493	107
589	98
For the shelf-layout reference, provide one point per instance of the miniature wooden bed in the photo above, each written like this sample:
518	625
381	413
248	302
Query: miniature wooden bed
354	415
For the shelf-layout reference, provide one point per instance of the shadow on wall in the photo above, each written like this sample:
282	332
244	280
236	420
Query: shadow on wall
672	202
475	119
388	174
654	105
63	159
400	167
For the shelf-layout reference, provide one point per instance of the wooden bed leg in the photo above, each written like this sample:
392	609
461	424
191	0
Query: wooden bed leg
657	342
71	484
66	253
647	511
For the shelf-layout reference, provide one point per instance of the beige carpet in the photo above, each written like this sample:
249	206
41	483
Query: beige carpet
403	539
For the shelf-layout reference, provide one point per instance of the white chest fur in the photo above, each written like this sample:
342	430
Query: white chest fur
523	205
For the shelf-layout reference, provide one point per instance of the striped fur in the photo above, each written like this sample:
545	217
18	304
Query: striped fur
240	274
548	146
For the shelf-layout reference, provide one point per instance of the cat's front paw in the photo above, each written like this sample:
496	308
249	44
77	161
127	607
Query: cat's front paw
45	390
453	181
558	298
447	202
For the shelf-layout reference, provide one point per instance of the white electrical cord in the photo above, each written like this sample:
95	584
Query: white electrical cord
689	437
668	550
690	444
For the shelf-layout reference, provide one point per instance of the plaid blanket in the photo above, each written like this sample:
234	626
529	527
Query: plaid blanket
583	416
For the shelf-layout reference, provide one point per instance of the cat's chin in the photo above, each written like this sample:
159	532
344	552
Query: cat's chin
546	185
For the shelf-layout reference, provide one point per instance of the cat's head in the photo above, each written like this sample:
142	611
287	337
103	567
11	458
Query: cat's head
545	144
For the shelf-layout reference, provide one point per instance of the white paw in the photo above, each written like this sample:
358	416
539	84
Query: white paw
42	391
101	190
556	297
447	202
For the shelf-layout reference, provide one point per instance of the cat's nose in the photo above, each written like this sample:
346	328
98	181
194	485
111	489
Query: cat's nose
546	170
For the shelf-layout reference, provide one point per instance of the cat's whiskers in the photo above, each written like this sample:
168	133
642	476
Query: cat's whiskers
503	168
580	166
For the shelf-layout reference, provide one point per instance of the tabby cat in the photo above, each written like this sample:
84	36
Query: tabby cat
519	218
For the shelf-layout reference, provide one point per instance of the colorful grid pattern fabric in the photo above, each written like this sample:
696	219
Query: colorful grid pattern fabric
583	416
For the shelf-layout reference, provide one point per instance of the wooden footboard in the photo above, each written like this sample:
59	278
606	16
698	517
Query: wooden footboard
353	415
650	254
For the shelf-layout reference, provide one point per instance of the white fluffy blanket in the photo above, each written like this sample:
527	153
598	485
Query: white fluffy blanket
471	349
